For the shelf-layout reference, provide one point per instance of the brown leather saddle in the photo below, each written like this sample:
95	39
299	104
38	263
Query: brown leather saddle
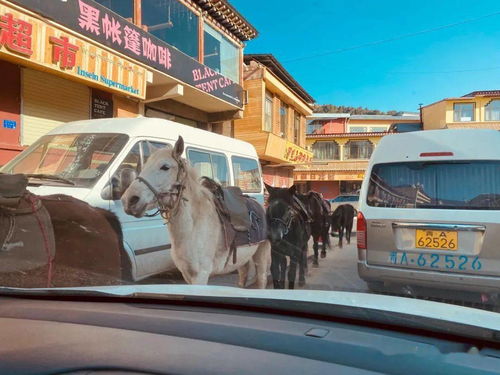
242	218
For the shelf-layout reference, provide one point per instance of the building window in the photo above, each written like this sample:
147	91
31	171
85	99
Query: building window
358	129
493	111
296	128
378	129
173	23
220	54
268	113
313	126
283	119
463	112
358	150
124	8
326	150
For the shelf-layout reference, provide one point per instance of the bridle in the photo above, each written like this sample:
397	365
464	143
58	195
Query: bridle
285	221
167	211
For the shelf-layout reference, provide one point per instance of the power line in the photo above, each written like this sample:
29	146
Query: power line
398	37
450	71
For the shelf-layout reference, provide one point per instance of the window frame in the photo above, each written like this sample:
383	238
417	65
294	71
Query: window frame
269	98
487	112
283	119
347	149
229	181
336	153
256	191
224	37
199	30
473	118
296	127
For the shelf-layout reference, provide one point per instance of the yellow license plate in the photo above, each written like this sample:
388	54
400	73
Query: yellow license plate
436	239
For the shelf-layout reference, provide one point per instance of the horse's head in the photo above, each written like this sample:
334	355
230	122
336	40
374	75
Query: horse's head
159	182
279	211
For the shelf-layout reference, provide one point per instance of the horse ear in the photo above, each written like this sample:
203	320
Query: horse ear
179	147
292	190
269	188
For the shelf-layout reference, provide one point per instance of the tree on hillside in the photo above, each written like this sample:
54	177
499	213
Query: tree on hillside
330	108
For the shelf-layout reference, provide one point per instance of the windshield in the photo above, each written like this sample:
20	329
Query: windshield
313	146
466	185
80	158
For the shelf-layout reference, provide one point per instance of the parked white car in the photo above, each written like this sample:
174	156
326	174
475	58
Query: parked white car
91	155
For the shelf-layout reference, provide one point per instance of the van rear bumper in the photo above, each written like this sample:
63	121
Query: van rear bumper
428	279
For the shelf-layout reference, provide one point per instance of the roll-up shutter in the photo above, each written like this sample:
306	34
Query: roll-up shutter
48	101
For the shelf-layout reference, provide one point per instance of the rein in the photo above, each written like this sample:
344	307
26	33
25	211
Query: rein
168	211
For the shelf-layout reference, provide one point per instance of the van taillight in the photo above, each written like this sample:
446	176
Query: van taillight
361	231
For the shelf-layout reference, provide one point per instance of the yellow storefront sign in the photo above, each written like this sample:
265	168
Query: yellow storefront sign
27	40
296	154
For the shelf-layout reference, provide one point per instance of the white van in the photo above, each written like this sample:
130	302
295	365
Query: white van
429	212
81	158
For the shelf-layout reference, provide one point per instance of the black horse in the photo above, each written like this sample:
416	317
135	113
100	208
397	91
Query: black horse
289	231
342	219
320	215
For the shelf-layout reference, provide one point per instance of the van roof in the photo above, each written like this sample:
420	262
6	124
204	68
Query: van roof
157	128
464	144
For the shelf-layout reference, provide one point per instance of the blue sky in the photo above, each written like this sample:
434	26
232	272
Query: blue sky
395	75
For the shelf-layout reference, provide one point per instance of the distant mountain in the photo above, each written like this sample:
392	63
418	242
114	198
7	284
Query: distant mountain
330	108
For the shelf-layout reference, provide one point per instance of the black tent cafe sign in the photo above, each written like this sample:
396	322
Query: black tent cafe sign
91	19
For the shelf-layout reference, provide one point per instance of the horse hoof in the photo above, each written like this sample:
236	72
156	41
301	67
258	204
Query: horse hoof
323	254
302	283
315	264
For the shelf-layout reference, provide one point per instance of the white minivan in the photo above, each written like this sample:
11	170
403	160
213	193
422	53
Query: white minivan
429	213
83	159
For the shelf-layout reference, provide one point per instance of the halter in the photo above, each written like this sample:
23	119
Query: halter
167	211
288	223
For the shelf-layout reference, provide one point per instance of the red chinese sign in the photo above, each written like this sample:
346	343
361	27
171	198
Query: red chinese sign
63	52
15	34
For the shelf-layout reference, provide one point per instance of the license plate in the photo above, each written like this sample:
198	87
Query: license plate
435	261
436	239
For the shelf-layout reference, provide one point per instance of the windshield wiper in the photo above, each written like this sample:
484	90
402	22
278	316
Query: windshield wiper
53	177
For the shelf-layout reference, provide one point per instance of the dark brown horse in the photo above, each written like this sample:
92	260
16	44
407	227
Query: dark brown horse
342	219
319	212
88	248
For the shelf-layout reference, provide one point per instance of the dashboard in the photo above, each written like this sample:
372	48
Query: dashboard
64	336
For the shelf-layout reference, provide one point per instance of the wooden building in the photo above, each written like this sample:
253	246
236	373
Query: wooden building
274	119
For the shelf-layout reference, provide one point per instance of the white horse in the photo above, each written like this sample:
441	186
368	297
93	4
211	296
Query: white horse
199	245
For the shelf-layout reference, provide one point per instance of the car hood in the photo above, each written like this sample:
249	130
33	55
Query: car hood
399	305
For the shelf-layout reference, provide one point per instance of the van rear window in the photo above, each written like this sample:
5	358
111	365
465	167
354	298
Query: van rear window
464	185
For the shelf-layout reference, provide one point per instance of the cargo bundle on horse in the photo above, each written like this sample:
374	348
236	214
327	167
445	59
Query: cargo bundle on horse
289	232
56	240
213	230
